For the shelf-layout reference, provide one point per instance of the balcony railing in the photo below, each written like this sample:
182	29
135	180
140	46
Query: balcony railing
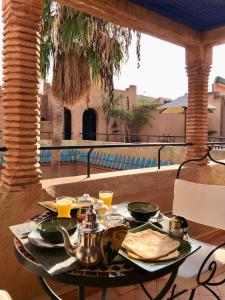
88	157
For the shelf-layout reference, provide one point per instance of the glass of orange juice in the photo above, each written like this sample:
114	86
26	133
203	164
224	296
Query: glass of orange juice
64	206
106	196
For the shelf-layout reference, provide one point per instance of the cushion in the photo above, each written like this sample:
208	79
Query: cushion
4	295
190	268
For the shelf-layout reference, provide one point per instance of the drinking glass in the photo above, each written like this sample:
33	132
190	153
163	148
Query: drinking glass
106	196
64	206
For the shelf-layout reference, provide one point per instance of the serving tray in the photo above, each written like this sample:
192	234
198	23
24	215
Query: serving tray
186	248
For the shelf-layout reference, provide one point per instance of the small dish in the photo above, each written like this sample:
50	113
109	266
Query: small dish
157	218
37	240
48	228
142	211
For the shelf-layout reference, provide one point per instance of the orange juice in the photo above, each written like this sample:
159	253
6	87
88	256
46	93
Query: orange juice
64	207
106	197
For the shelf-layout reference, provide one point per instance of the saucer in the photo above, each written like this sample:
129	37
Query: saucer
36	239
156	219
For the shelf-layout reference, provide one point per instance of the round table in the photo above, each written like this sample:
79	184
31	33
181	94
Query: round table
115	275
118	274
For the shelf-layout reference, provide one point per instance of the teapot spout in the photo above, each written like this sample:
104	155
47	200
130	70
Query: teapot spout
69	247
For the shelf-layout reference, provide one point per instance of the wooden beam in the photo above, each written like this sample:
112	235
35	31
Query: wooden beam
127	14
214	37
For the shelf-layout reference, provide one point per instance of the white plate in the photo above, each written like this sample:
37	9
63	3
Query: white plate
36	239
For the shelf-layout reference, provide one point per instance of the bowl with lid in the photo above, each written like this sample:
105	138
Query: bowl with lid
48	228
142	211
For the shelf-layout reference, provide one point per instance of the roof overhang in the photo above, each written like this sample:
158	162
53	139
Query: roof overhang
136	16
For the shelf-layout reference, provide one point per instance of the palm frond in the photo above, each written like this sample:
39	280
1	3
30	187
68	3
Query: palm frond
71	77
84	48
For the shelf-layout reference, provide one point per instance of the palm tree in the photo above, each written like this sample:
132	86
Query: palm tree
85	50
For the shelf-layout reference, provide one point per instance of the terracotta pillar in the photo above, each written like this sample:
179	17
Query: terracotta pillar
198	65
21	107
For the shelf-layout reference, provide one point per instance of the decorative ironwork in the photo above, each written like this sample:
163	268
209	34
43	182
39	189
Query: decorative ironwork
208	149
212	267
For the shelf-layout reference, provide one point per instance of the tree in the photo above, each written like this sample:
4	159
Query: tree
85	50
109	107
139	117
134	119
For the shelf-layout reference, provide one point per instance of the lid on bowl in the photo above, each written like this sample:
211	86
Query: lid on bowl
85	198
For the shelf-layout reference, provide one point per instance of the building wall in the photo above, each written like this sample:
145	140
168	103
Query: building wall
159	124
78	109
214	118
164	124
217	118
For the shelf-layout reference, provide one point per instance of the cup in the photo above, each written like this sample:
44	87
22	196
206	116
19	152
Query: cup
106	196
64	206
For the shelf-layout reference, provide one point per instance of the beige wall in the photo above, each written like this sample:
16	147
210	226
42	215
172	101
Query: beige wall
214	119
164	124
217	118
160	123
79	108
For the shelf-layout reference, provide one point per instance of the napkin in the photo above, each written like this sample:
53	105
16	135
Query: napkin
54	261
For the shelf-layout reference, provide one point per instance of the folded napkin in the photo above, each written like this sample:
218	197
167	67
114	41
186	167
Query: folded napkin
54	261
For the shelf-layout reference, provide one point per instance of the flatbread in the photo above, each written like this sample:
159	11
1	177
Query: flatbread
150	244
169	256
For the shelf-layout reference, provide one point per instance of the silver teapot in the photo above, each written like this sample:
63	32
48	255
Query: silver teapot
87	250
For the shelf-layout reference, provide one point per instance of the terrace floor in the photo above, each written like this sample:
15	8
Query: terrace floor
135	292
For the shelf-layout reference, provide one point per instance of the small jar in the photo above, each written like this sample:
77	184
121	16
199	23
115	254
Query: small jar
113	218
179	227
101	209
85	202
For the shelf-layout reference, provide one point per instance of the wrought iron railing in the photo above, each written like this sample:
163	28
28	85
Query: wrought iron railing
136	138
91	147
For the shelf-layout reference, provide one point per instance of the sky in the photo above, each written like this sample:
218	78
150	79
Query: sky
162	71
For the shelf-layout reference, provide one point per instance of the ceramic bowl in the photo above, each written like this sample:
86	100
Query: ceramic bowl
142	211
48	228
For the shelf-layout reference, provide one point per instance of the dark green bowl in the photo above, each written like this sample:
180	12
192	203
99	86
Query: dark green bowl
48	228
142	211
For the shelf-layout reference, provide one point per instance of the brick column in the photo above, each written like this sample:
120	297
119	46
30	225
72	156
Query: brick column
198	65
21	106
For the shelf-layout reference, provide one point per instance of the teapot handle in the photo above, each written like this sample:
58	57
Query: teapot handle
111	241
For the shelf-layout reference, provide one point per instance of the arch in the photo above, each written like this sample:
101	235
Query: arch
67	124
89	124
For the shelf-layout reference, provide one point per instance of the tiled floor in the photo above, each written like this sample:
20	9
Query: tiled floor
136	293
